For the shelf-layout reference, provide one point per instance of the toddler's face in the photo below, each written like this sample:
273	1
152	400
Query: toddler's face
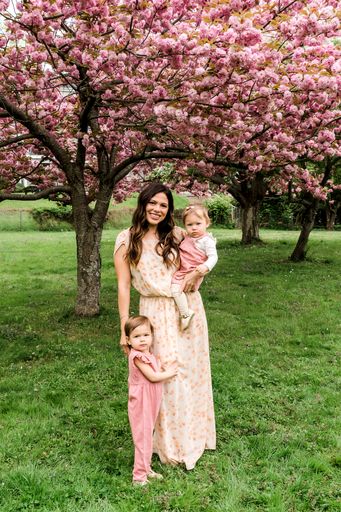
141	338
195	226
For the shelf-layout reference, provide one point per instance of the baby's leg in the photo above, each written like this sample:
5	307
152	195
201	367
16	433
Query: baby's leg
180	299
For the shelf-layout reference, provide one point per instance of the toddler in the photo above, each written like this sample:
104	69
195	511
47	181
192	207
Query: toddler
197	252
145	391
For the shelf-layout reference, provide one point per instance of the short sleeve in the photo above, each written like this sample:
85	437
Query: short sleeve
141	356
122	239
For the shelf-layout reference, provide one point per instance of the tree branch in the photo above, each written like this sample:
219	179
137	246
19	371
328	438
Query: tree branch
13	140
122	169
39	132
36	195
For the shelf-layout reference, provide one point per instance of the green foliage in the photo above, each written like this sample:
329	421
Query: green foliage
278	213
53	218
164	174
274	343
220	209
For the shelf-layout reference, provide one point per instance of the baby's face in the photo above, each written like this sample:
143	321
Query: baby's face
195	225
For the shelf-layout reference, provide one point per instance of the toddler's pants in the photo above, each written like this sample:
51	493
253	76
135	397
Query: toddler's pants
142	417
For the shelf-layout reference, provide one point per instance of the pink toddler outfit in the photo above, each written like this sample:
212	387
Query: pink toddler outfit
143	408
190	257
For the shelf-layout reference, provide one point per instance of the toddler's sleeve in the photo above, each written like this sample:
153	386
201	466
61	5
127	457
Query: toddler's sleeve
211	252
142	357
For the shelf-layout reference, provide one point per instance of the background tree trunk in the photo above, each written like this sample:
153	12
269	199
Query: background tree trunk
330	219
331	214
307	224
249	193
250	224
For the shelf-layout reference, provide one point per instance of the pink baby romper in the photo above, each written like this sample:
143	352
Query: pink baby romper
190	258
143	408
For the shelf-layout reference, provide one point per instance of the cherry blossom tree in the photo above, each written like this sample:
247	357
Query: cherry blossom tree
80	83
313	185
98	91
265	95
266	98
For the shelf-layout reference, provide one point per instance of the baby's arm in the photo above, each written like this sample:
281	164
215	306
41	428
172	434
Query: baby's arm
212	256
148	372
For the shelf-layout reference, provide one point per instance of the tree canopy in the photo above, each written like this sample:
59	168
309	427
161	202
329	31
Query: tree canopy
93	93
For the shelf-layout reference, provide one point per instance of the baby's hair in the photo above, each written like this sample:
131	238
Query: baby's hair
136	321
197	209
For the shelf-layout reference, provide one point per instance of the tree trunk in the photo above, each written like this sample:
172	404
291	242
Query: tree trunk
89	226
88	270
250	224
307	224
331	214
330	219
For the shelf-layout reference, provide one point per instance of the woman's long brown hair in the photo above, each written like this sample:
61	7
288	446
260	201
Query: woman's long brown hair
167	245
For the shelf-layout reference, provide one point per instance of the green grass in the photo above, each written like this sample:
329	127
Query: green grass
275	331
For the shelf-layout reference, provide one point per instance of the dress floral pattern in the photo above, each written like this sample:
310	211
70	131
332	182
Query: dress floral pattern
185	426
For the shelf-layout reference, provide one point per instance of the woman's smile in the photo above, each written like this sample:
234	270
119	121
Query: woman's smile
157	208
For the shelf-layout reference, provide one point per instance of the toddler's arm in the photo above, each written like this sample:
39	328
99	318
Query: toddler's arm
148	372
211	253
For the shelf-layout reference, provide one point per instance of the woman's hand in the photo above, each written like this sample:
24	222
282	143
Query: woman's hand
123	344
190	280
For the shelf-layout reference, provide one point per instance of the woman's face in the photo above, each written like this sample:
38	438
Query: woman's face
157	209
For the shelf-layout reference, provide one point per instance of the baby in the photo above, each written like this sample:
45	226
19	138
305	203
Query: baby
197	252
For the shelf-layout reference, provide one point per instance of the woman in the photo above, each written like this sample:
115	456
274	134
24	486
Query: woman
146	256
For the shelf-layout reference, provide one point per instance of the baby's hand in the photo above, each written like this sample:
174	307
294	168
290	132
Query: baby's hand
202	269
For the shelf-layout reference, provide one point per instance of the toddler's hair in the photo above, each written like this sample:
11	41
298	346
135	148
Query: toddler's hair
136	321
197	209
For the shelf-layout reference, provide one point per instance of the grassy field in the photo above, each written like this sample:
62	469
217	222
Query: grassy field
130	202
16	216
275	332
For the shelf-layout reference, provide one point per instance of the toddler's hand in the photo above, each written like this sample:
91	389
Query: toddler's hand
202	269
171	367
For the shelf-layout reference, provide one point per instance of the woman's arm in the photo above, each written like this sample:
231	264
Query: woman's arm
124	283
148	372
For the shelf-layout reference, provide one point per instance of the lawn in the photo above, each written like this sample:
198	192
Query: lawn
16	215
275	332
130	202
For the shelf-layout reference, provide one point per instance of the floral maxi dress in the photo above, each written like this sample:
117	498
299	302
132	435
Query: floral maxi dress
185	426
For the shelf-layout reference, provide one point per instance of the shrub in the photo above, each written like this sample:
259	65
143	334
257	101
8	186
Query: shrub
53	218
220	209
278	213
